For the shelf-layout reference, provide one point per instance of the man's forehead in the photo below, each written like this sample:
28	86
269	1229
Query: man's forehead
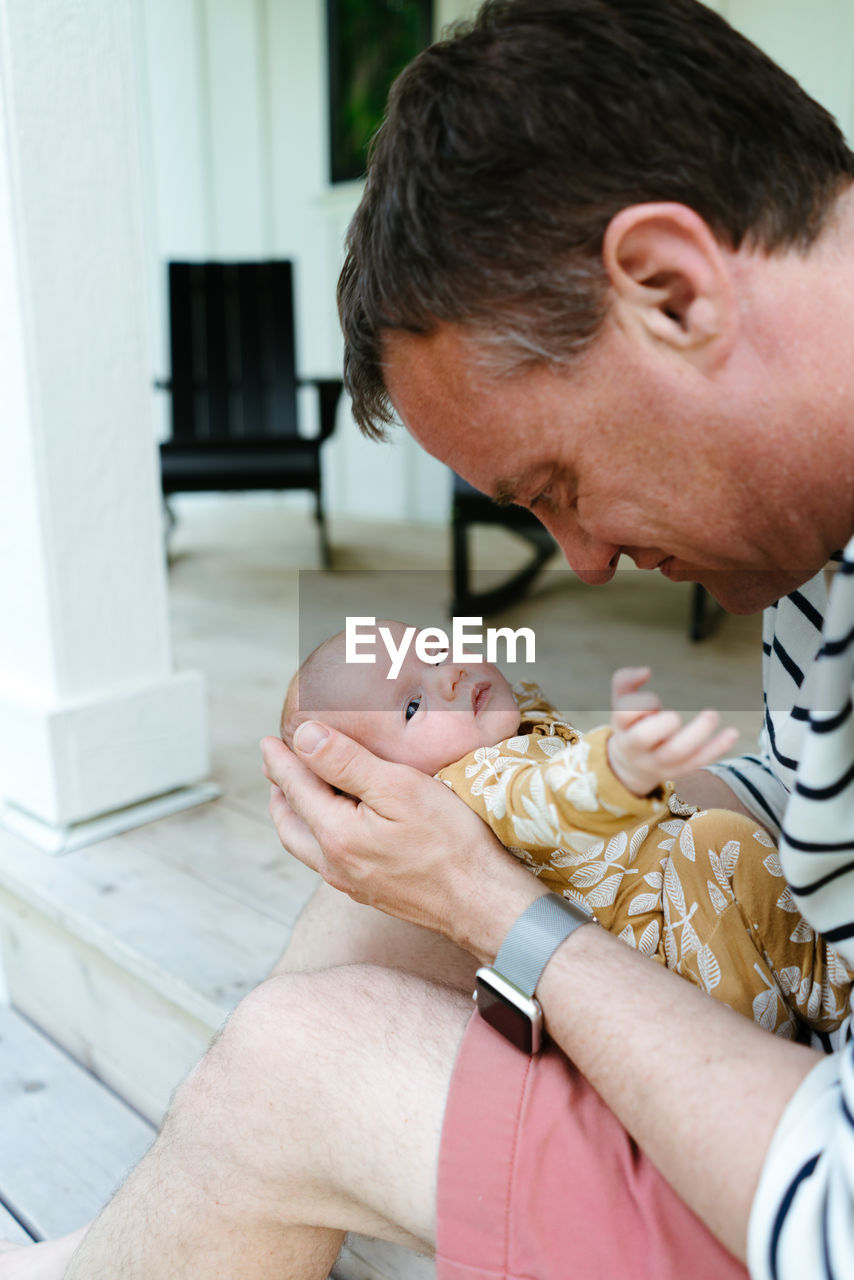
493	429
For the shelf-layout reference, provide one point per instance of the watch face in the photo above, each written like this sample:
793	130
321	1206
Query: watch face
516	1016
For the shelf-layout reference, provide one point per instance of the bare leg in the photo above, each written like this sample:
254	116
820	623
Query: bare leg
334	930
319	1110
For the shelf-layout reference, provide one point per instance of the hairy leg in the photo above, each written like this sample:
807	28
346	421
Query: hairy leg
335	930
318	1110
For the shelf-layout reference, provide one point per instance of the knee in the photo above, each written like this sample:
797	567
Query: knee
265	1043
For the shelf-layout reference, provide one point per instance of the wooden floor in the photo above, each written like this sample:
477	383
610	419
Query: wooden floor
131	952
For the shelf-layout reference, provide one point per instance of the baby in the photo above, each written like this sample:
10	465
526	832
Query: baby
702	892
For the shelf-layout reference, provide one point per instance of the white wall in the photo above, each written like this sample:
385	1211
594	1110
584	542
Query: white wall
235	96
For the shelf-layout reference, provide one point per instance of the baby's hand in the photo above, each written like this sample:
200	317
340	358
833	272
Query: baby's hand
649	745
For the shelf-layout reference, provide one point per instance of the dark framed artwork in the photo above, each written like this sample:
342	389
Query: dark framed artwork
370	41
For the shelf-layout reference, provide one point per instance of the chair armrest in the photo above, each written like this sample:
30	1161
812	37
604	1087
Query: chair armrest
329	390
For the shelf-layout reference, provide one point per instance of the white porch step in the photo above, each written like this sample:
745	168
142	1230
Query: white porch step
128	962
67	1140
11	1229
363	1259
130	954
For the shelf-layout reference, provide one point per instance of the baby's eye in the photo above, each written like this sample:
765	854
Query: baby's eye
411	707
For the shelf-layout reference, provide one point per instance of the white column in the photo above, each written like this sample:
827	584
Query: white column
92	717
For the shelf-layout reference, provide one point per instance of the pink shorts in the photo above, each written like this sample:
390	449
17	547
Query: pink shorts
539	1181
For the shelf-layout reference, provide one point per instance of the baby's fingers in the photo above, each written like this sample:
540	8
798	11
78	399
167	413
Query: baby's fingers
629	701
698	743
648	733
628	680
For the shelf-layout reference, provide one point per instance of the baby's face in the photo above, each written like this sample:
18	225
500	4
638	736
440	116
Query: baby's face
428	716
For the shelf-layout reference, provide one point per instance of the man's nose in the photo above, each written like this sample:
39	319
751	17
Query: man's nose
591	558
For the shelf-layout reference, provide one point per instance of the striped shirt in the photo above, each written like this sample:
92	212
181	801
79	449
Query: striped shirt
802	1222
791	636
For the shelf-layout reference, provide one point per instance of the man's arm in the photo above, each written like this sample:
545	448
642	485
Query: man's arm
700	1088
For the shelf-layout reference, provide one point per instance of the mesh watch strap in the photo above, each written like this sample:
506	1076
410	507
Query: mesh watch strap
534	938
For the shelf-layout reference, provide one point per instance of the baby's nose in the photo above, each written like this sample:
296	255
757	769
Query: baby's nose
450	680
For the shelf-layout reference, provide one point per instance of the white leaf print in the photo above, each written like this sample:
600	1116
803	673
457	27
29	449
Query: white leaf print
495	799
582	848
710	970
686	843
637	840
718	900
814	1002
519	744
666	844
585	877
786	902
729	856
605	893
674	889
802	932
828	1000
655	879
551	747
689	940
761	836
648	942
670	951
673	826
720	874
765	1009
642	902
628	936
616	846
772	864
789	978
838	971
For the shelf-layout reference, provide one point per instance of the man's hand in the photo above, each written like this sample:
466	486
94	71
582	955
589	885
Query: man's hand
649	745
407	845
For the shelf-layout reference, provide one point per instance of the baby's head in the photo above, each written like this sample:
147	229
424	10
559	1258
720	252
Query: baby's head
427	716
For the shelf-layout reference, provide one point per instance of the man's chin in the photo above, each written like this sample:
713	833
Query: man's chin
749	590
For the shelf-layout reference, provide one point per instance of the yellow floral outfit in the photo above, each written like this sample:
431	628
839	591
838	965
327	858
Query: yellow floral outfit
702	892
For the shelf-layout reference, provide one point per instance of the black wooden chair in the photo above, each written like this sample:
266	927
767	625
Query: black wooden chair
234	385
471	507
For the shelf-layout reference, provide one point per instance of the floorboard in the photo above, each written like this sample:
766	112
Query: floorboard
67	1141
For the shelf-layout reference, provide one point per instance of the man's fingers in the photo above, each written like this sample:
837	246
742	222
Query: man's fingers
349	767
310	798
292	831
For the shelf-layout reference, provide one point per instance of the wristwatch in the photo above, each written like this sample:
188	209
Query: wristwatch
505	990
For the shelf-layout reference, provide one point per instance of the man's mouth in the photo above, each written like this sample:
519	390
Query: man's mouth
480	696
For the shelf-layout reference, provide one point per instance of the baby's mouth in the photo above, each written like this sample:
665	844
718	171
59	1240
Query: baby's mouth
480	696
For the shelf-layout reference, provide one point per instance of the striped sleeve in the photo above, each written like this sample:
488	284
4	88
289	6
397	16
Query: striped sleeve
802	1222
791	638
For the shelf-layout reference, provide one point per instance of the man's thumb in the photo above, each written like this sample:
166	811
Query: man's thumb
339	760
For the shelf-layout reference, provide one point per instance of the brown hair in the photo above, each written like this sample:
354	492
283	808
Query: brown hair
510	145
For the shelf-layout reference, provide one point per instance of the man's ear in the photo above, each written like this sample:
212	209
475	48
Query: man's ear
672	280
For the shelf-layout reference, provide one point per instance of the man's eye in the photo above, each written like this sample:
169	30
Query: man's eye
411	707
544	499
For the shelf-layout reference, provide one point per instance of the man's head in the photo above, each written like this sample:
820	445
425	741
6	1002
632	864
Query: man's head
563	172
427	716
